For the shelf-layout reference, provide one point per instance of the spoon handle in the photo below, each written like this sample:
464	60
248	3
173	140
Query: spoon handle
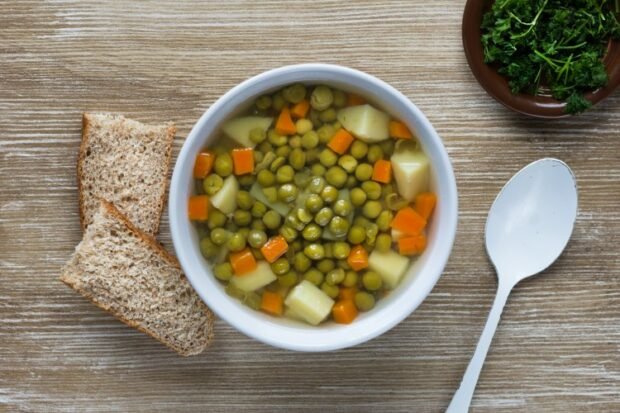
462	398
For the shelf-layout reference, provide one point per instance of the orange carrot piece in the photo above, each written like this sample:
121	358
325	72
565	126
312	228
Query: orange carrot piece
242	262
347	293
412	244
408	221
203	164
243	160
382	171
341	141
284	124
344	311
354	100
300	110
274	248
358	258
272	303
198	208
425	204
399	130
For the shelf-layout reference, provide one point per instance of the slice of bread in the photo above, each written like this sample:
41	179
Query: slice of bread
126	163
126	272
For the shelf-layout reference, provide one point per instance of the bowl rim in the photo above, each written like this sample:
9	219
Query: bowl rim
291	335
496	85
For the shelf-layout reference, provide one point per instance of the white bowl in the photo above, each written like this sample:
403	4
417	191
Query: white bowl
420	278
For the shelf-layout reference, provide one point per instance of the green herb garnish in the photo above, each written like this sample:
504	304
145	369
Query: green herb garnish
558	44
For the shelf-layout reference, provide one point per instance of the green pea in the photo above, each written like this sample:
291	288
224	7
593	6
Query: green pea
303	126
363	172
275	138
301	263
272	219
329	250
317	184
266	178
280	266
236	242
374	154
219	236
372	189
358	149
294	222
339	226
277	163
212	184
252	300
216	219
265	147
383	243
314	203
246	180
371	209
356	235
313	116
350	279
258	209
324	216
351	182
287	193
302	179
326	132
372	281
343	207
328	158
387	190
357	196
294	93
364	301
335	276
283	151
314	251
341	250
331	290
329	194
321	98
285	174
208	248
271	193
258	157
263	102
303	215
231	226
288	233
295	141
295	246
242	218
348	163
244	232
223	165
310	140
258	224
394	202
318	170
384	220
297	159
340	99
328	115
278	101
288	280
257	238
257	254
336	176
244	200
325	265
258	135
234	291
387	146
314	276
336	125
223	271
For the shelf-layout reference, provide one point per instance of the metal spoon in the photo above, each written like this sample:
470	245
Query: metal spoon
527	229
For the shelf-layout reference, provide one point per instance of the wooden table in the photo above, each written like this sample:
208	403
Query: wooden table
557	348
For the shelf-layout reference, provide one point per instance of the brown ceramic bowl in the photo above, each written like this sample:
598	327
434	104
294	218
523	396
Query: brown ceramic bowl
497	86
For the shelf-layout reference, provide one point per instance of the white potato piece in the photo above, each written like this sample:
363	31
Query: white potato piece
226	198
239	128
390	265
411	169
309	302
365	123
260	277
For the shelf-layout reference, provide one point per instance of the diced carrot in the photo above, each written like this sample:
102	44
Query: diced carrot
242	262
341	141
344	311
354	100
203	164
284	124
399	130
198	208
358	258
272	303
425	204
300	110
274	248
243	160
412	244
408	221
347	293
382	171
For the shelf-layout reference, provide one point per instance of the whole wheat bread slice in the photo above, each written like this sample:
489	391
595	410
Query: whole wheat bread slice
124	162
126	272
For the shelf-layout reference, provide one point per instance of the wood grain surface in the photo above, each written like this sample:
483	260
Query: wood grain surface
557	348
